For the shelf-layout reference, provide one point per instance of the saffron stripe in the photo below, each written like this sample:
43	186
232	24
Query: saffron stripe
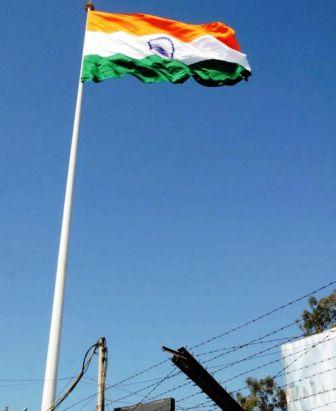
143	24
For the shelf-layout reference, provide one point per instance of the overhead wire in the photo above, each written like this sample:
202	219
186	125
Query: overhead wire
86	404
90	397
85	364
188	382
257	368
226	350
263	365
283	306
170	375
246	358
137	374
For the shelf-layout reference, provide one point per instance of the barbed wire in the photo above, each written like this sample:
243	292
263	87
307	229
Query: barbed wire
254	343
137	374
229	350
312	364
240	374
293	382
313	395
257	355
199	405
247	358
170	375
224	367
205	407
267	364
320	406
211	339
155	387
297	369
267	314
188	382
294	400
306	378
282	372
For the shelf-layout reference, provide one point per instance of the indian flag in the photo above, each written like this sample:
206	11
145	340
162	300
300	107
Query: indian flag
155	49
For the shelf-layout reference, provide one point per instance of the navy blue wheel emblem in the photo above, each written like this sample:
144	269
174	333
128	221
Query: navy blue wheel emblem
162	46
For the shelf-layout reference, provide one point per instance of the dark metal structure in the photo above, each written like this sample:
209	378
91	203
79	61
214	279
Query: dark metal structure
200	376
167	404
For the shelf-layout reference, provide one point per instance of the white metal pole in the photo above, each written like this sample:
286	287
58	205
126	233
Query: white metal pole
51	371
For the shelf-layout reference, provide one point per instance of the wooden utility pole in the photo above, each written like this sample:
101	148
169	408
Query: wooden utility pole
102	364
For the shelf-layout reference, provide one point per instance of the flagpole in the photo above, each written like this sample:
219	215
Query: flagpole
51	370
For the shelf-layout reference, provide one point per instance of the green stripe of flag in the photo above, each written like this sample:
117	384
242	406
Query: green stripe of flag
156	69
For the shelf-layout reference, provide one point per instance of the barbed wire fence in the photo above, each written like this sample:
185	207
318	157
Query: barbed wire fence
148	388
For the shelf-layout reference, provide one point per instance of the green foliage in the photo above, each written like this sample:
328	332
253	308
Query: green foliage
265	395
322	315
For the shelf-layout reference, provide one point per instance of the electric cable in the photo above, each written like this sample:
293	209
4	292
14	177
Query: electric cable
85	365
209	340
188	382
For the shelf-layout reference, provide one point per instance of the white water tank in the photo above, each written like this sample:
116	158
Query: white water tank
309	366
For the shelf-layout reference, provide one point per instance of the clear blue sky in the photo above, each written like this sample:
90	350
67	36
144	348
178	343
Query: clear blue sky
195	208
